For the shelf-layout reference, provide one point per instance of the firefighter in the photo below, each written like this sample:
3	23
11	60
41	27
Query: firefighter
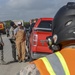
20	34
61	62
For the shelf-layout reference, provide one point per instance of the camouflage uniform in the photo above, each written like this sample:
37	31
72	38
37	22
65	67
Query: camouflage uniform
29	70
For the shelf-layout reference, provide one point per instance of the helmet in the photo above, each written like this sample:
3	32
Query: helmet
63	25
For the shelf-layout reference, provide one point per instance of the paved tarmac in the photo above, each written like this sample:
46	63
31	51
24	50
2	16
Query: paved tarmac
12	68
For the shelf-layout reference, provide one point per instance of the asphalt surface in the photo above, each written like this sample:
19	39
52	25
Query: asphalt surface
11	68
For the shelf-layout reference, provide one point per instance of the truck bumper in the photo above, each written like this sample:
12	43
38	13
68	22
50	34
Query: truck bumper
35	55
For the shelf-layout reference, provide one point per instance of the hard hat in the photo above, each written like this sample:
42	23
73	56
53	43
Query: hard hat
63	26
64	23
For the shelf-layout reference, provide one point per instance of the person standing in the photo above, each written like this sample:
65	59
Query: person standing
12	39
2	62
7	32
32	25
31	21
20	36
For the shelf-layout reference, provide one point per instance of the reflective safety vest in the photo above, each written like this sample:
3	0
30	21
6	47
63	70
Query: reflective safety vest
58	63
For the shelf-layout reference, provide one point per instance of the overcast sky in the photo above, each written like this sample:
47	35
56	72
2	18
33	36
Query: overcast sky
29	9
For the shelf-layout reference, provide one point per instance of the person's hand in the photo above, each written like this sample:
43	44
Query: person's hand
3	44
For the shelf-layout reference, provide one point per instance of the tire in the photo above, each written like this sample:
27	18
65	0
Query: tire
14	51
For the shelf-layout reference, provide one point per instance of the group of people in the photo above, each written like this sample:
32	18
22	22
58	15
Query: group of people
62	43
18	34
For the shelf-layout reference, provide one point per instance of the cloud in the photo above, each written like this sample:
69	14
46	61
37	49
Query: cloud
28	9
18	3
34	8
29	4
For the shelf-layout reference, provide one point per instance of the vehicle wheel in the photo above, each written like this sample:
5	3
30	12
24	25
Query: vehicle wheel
14	51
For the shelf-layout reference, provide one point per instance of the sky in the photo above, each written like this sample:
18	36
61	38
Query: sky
29	9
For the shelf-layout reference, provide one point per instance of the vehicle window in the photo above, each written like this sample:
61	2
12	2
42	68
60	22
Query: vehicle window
45	24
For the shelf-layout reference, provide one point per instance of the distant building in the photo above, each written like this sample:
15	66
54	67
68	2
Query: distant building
16	22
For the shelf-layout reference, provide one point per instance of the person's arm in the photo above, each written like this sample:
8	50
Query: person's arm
30	69
15	32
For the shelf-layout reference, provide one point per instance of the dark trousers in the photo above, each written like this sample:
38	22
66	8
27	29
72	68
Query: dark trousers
1	53
14	51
